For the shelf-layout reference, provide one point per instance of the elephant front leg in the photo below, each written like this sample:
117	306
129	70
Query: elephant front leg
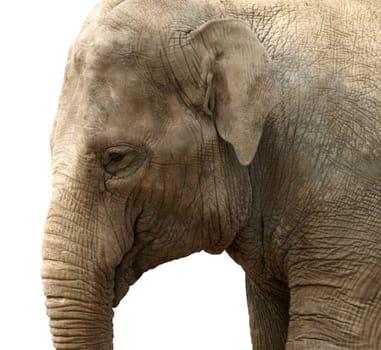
329	317
268	313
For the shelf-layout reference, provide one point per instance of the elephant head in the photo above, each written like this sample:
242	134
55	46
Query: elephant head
153	135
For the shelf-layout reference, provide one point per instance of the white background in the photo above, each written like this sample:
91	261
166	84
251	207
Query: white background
194	303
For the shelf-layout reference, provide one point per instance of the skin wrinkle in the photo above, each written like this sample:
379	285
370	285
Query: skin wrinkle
65	258
310	246
171	76
315	166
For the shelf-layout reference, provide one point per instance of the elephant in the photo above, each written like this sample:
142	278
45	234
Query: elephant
246	126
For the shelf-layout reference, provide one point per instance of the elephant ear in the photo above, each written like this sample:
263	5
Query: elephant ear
237	73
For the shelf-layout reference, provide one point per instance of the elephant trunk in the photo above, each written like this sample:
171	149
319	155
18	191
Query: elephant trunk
79	292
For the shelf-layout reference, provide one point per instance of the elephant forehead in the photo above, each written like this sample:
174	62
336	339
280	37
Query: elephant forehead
137	29
101	48
114	104
119	32
117	111
160	122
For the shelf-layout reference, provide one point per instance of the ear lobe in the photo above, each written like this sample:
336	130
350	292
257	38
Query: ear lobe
240	91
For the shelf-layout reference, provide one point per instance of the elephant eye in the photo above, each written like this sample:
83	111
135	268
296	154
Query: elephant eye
123	161
116	157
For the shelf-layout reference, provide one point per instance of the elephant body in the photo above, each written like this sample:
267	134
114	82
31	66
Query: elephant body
249	126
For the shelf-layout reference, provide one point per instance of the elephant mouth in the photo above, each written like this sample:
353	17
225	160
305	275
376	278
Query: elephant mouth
124	278
119	294
125	273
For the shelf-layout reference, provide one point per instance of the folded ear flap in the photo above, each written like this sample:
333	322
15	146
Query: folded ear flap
240	89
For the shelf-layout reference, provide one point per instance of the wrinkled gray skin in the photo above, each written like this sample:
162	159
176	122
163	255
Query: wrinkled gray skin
247	126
